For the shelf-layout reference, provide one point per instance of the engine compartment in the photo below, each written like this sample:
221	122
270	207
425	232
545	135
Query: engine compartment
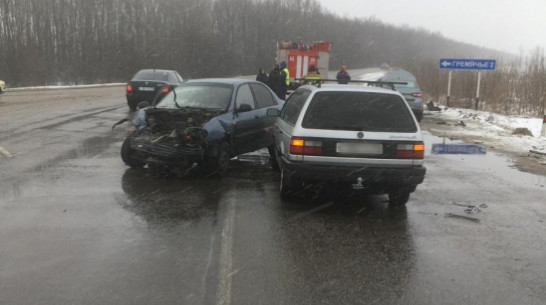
175	127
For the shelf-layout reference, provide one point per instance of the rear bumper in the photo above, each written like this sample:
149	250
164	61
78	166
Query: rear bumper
416	105
135	98
371	175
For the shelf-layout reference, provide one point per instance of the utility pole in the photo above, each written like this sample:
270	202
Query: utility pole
448	88
478	91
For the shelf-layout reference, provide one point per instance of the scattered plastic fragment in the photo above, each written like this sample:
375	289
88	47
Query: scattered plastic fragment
462	217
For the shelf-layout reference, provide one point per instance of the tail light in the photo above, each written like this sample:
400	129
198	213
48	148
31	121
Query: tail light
418	94
305	147
129	87
164	88
410	151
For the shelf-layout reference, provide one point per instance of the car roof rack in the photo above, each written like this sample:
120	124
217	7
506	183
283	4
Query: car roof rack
319	82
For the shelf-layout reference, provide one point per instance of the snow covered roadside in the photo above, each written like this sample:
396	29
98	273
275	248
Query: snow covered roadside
490	129
64	87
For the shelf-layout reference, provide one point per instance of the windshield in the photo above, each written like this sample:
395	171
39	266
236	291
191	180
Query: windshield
206	96
359	111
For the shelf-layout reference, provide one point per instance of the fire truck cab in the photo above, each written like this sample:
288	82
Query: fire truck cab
299	57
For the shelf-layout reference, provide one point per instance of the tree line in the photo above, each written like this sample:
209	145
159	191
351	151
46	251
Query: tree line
87	41
45	42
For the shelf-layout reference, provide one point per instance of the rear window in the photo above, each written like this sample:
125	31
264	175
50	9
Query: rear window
152	75
409	84
359	111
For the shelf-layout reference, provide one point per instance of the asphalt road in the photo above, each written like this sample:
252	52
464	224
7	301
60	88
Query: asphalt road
77	226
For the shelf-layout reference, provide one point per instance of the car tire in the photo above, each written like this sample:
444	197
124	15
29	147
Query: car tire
219	164
419	116
126	153
273	158
399	197
289	186
132	106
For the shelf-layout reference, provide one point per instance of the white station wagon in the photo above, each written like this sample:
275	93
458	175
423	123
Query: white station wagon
360	135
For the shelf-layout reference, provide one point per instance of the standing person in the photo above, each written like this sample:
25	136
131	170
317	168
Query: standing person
274	79
285	77
343	76
261	77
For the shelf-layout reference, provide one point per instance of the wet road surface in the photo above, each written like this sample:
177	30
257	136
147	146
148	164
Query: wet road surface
79	227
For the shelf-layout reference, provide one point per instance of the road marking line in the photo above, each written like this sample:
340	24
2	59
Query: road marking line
5	152
209	262
226	258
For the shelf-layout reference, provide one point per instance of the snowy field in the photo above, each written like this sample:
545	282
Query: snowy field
494	129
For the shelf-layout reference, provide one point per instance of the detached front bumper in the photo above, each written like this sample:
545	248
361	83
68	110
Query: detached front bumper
370	175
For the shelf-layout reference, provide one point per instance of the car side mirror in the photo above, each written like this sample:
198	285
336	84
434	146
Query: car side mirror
273	112
244	108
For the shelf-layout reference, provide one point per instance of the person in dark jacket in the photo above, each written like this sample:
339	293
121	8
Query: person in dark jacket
261	77
342	76
274	80
285	80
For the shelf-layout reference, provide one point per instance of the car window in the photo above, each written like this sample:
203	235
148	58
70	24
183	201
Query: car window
152	75
244	96
173	78
359	111
409	84
291	110
208	96
180	79
263	96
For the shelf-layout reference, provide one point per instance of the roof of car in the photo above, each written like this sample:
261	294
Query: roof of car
230	81
398	74
157	70
349	88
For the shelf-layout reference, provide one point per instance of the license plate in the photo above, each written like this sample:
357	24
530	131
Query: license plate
359	148
146	88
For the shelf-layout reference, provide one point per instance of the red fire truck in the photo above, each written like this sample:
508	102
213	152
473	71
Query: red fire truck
299	57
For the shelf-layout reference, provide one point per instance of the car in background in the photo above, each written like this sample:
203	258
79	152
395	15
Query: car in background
364	137
151	85
2	86
411	91
203	123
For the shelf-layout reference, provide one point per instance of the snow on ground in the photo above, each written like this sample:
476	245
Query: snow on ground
495	129
65	87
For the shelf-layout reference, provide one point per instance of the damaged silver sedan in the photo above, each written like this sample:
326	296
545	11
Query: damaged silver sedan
202	124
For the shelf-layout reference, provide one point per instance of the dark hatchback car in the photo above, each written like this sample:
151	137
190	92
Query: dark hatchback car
203	123
151	85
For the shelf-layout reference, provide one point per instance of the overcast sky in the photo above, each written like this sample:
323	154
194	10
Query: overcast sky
499	24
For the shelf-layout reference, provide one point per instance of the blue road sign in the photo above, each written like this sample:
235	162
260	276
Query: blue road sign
458	149
467	64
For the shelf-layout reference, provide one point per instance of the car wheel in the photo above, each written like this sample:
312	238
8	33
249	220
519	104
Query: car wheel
132	106
399	197
126	153
219	164
419	116
273	158
289	186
